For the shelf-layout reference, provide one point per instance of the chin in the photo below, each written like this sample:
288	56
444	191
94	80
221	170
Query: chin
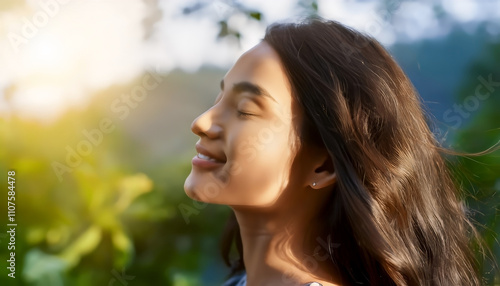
191	194
194	192
189	188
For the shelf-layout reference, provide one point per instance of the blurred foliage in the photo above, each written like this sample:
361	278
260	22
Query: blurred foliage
114	218
104	220
226	10
480	131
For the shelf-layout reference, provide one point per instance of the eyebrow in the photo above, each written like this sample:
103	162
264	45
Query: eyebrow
245	86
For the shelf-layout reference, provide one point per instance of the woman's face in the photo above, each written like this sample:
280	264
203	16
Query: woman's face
248	139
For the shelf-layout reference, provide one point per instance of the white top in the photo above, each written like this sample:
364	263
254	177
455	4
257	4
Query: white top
241	280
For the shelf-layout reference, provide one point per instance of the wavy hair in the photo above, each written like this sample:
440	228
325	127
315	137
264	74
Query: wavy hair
395	215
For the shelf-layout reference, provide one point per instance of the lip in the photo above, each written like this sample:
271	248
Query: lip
204	163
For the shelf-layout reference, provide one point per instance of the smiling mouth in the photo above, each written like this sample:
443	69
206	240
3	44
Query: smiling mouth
208	158
206	162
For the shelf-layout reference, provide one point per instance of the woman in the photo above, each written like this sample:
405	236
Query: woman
318	143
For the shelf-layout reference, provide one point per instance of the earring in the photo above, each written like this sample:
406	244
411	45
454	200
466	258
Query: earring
314	184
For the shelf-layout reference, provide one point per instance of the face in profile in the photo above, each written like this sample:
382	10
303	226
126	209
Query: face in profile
248	140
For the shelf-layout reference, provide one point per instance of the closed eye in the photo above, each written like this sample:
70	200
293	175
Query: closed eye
244	114
246	108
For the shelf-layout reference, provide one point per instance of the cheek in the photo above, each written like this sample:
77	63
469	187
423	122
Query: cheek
260	142
261	160
263	173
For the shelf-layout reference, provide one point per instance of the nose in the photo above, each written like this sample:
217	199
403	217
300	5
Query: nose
205	125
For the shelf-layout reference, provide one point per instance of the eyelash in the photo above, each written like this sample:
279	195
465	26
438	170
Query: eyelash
244	114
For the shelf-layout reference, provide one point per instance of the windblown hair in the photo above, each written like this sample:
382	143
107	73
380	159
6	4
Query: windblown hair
395	212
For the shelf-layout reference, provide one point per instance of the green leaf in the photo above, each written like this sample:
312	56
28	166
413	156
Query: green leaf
132	187
255	15
124	248
224	29
86	243
314	5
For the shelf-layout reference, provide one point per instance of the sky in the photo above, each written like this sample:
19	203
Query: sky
54	54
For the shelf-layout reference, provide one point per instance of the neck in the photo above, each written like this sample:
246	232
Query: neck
284	247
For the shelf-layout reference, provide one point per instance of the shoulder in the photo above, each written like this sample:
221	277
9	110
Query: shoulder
241	280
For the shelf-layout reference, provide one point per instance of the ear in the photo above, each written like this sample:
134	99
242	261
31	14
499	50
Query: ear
323	174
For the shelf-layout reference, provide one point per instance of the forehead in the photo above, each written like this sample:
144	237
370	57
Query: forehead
261	65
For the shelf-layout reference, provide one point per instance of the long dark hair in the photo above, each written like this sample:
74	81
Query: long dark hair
395	216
